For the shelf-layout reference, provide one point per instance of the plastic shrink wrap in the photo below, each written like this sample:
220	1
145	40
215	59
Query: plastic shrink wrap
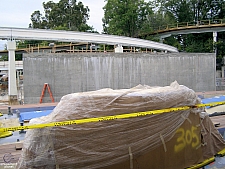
169	140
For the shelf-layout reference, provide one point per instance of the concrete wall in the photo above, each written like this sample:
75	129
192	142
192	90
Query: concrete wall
76	72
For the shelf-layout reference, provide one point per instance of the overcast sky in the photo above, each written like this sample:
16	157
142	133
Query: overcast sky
16	13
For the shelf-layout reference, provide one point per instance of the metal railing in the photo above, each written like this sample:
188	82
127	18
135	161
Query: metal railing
220	81
39	45
189	25
5	64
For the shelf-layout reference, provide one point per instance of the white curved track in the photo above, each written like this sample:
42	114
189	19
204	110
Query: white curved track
198	29
71	36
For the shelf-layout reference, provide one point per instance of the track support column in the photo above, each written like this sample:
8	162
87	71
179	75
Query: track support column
214	41
12	88
119	49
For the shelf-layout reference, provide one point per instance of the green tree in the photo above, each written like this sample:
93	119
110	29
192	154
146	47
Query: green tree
153	23
191	11
17	57
4	58
173	41
125	17
198	43
36	19
180	9
221	12
220	45
64	15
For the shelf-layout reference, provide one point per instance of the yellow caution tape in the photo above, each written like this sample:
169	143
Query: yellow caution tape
210	104
221	153
208	161
1	114
91	120
5	134
107	118
204	163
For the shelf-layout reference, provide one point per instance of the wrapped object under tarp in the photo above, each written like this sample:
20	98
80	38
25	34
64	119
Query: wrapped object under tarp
169	140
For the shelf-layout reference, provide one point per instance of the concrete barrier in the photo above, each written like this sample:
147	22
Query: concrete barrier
77	72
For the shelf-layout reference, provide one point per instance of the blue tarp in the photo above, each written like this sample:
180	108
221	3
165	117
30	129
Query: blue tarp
220	161
213	99
33	109
33	114
218	164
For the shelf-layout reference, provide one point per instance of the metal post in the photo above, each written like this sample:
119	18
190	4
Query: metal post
223	68
22	131
9	111
161	40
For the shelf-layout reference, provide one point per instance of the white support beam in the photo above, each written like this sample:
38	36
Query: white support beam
214	36
12	88
214	40
119	49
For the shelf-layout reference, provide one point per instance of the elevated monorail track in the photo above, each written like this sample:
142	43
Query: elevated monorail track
84	37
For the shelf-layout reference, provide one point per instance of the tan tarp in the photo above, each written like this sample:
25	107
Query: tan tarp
170	140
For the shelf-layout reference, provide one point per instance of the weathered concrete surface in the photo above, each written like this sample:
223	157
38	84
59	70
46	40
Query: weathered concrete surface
77	72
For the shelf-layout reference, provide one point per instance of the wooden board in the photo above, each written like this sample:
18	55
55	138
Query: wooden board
9	153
